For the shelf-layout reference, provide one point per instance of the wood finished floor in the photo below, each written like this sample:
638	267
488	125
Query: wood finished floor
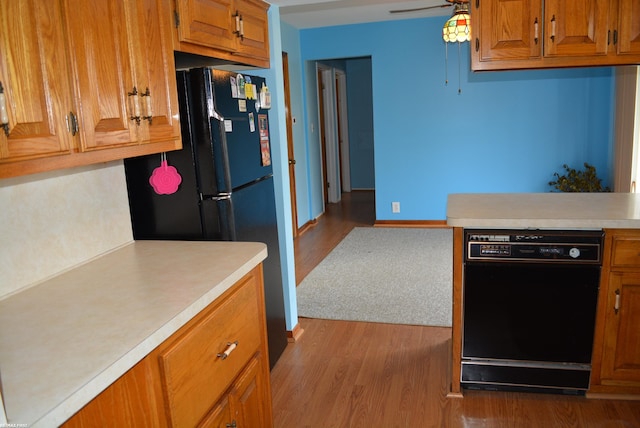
356	374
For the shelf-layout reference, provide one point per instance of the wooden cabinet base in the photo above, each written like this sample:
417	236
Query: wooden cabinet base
143	397
129	401
616	350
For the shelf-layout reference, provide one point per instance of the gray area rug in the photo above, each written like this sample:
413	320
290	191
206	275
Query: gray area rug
387	275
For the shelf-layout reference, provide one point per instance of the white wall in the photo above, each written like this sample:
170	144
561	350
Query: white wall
51	222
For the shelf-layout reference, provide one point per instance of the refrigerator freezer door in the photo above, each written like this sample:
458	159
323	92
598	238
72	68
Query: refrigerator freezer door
243	138
205	138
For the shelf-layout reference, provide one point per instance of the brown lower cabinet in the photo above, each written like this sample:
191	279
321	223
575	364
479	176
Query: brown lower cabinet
213	372
616	358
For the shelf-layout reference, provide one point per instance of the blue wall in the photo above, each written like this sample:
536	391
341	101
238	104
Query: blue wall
279	157
360	111
506	131
291	45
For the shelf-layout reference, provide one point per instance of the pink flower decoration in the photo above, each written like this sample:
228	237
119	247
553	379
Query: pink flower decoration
165	179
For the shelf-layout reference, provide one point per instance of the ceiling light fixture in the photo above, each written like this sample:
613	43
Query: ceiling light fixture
457	29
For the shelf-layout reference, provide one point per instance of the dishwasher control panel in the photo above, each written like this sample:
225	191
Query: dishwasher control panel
533	245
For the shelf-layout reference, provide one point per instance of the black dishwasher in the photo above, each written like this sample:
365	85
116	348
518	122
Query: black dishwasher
529	306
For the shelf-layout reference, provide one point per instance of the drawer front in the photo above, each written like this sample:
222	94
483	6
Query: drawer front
194	370
626	252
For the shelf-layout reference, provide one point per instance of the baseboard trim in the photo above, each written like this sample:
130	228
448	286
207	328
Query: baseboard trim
412	223
308	225
612	396
295	334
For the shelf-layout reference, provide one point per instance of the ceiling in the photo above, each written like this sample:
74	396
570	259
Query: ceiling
323	13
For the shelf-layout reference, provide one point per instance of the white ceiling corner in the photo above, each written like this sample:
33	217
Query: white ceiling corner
324	13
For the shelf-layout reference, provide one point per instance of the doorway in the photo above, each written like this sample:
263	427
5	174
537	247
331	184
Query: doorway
345	111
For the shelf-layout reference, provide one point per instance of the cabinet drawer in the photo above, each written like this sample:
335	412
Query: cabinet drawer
194	373
625	252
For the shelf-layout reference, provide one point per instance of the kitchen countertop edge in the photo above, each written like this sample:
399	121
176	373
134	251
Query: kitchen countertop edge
544	210
255	254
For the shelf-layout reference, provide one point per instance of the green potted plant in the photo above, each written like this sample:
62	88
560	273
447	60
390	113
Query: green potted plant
578	181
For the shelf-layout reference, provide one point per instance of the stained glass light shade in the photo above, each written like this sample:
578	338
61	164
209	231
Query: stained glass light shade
458	27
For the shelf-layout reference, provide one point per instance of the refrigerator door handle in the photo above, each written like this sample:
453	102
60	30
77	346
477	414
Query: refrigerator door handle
218	197
214	114
211	107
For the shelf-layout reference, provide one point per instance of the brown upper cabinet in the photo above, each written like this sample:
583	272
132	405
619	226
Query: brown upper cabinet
35	80
518	34
85	82
233	30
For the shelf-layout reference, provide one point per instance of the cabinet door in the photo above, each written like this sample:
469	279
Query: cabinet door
249	397
507	29
576	27
219	417
209	23
155	76
101	55
253	40
621	358
35	77
628	33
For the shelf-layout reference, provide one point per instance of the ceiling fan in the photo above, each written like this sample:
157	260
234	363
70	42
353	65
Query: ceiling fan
417	9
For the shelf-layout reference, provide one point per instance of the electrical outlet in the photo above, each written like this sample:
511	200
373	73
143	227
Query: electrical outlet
395	207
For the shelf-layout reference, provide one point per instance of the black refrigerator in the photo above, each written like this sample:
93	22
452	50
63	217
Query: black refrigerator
226	192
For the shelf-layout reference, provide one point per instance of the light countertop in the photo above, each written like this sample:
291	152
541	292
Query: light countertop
544	210
65	340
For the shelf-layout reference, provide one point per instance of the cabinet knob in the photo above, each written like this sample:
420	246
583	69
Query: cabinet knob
616	305
4	117
231	346
72	124
148	113
239	25
134	106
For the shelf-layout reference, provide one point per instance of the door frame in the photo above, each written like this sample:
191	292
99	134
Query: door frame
290	145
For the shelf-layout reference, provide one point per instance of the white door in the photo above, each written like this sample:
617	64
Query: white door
331	135
343	130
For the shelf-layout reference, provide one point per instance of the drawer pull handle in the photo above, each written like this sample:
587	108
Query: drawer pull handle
616	306
230	348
